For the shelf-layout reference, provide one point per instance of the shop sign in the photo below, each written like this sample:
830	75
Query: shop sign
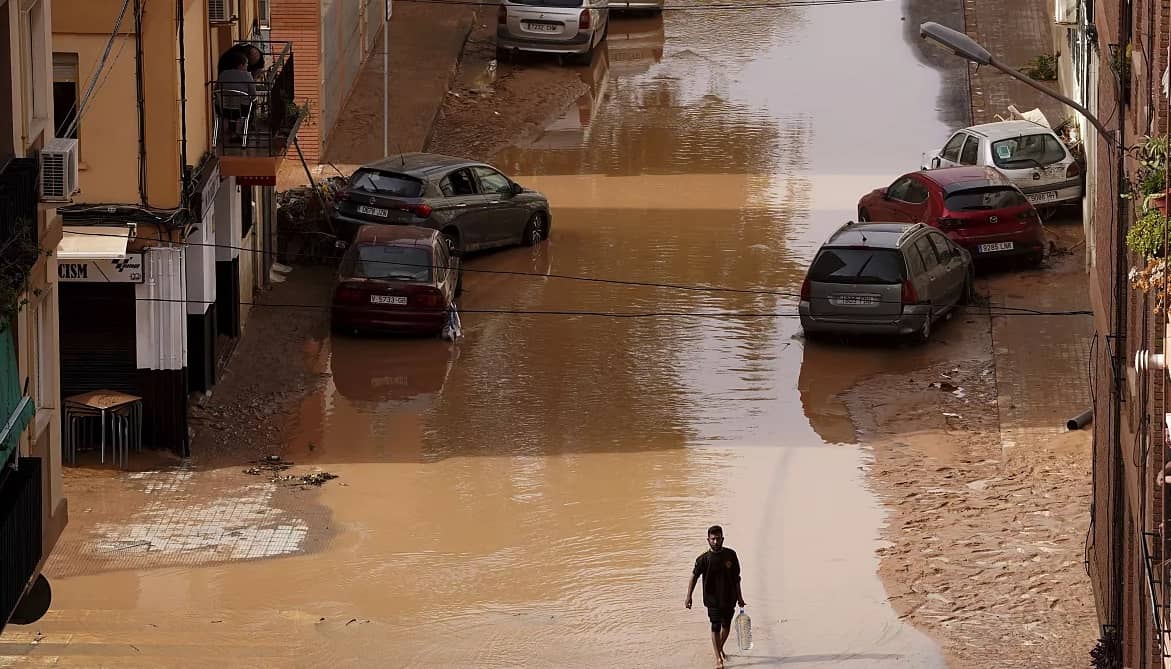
119	270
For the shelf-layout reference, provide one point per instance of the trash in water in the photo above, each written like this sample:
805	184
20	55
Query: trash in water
945	386
453	329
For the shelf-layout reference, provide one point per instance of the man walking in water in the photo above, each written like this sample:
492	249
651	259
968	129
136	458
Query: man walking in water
721	588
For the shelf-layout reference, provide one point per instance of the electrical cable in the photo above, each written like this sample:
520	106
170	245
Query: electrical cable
102	62
1000	310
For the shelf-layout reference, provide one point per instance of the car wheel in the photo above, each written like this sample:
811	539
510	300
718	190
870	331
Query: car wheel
534	231
863	216
1037	259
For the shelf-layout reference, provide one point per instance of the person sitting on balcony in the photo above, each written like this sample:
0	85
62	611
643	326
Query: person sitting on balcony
250	51
236	91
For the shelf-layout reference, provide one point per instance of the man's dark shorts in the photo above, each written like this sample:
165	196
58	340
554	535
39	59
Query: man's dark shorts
721	618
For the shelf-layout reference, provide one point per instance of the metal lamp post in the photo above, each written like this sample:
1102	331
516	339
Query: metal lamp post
967	48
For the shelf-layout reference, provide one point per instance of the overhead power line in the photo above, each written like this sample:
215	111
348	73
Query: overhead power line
1004	310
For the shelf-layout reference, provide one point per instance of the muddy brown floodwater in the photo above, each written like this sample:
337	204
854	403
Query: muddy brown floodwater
535	495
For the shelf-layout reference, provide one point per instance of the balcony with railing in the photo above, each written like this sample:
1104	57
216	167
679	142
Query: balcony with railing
18	203
256	121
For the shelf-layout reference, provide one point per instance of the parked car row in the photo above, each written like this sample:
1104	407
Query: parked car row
563	27
910	258
411	219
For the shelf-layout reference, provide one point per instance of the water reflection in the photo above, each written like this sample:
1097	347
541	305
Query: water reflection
572	129
635	44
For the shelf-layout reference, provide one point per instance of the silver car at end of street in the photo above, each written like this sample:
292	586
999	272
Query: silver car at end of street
885	279
566	27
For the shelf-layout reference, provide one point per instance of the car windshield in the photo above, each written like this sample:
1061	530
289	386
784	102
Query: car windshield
1027	151
386	183
978	199
398	263
858	266
549	3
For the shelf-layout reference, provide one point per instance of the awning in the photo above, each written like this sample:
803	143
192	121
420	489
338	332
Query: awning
16	409
94	242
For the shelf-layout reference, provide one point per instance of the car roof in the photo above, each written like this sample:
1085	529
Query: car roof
952	179
419	165
1006	129
877	235
395	235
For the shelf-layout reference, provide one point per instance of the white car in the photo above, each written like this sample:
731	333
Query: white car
1032	156
565	27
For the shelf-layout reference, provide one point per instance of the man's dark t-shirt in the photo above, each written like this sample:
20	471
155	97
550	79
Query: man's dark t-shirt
721	578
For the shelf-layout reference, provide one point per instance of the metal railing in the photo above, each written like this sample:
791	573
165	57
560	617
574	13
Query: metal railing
258	118
20	531
1155	577
18	199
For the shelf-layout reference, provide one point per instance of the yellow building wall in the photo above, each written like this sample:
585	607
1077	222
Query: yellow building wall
197	68
108	134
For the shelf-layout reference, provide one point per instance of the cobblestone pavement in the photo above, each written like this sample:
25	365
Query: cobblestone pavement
175	515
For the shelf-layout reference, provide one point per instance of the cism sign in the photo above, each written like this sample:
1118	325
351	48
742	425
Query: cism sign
120	270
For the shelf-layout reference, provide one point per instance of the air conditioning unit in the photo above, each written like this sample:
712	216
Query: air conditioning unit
219	11
1065	12
59	178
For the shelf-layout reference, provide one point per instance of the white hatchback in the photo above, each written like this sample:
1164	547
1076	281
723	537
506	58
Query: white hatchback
1032	156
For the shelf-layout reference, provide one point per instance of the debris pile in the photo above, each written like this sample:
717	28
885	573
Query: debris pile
273	465
306	233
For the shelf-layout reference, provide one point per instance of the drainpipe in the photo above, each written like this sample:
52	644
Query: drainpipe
140	89
1118	512
184	182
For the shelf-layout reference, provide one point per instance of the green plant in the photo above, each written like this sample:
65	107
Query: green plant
18	254
294	111
1146	235
1042	68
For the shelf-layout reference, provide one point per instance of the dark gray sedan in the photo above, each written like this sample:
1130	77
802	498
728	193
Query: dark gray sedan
472	204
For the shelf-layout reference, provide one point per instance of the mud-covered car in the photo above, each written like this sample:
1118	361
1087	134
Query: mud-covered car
471	204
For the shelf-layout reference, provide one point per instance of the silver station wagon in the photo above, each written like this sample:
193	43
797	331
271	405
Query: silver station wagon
567	27
884	278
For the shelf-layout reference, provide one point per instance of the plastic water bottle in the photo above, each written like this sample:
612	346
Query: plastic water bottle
743	630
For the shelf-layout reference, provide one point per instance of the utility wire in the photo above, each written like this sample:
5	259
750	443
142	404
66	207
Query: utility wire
102	62
716	315
721	6
1002	310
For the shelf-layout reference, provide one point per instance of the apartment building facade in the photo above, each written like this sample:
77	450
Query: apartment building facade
33	508
172	231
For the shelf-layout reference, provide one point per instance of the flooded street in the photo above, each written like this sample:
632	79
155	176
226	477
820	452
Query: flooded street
535	495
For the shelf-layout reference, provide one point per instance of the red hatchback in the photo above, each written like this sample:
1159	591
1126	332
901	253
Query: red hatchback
977	207
396	278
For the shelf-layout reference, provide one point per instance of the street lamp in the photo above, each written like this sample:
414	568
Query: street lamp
969	49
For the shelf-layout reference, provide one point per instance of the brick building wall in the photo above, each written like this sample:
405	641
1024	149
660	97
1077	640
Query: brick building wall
1132	53
299	22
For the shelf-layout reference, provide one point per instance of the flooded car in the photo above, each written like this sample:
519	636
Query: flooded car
566	27
1029	154
472	204
884	278
977	207
399	279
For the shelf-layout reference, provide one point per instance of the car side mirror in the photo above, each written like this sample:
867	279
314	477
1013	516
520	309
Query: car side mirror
516	188
935	163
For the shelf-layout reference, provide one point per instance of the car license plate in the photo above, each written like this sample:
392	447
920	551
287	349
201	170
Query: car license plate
373	211
542	27
993	248
1047	196
388	299
854	300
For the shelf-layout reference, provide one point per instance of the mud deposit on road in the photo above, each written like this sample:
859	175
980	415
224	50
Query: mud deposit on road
986	545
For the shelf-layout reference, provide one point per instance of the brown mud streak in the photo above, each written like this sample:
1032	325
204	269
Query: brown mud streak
986	545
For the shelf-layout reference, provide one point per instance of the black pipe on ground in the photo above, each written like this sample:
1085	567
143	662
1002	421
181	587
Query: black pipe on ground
1081	420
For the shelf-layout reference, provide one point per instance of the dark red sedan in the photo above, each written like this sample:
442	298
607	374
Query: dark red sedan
977	207
396	278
